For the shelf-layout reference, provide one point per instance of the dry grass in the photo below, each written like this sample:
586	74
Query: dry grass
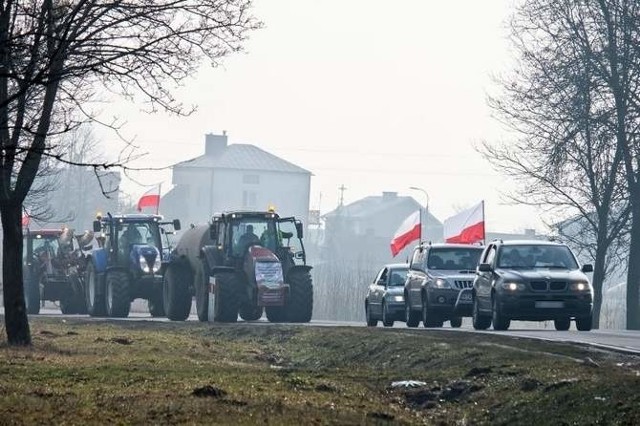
103	372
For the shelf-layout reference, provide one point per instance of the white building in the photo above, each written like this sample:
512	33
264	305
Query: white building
235	176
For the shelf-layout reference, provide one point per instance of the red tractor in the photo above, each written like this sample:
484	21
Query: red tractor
244	263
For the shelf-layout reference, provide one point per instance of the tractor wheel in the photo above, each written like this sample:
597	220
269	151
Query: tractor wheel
155	303
251	313
94	293
118	294
227	301
77	295
32	296
276	313
300	301
68	306
201	284
175	292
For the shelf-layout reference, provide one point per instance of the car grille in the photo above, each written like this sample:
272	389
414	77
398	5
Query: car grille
548	286
538	285
463	283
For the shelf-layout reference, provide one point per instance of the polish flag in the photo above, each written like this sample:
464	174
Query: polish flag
466	227
408	231
151	198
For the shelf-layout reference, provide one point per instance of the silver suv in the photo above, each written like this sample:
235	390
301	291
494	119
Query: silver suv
439	283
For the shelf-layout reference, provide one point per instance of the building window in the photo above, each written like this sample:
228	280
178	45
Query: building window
249	199
251	179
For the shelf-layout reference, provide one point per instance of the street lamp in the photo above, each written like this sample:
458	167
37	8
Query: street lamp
426	210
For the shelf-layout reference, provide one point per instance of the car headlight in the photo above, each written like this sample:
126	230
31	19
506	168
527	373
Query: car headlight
580	286
441	283
156	266
398	298
511	286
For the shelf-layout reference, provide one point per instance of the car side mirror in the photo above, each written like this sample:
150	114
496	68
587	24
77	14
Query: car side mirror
587	267
176	224
484	267
299	229
97	227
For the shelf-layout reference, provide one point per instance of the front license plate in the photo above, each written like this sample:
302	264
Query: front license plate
548	304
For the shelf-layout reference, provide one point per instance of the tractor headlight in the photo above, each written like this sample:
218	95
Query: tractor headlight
441	283
144	265
510	286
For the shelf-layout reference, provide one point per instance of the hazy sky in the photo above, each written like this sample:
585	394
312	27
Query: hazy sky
375	95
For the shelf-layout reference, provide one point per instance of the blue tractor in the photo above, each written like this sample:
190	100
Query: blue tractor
128	264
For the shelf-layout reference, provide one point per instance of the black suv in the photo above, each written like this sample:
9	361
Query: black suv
438	286
531	281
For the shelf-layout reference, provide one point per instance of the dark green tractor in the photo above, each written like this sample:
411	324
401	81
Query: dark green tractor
241	263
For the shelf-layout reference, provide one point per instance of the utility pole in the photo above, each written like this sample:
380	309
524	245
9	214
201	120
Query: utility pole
426	210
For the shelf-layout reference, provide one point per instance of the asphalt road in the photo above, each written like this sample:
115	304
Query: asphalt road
617	340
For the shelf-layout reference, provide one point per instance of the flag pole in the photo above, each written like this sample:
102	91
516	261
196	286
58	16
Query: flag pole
484	226
159	192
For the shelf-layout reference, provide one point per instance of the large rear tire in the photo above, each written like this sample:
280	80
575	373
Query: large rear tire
118	294
201	284
94	293
32	295
175	292
68	304
300	301
276	313
227	300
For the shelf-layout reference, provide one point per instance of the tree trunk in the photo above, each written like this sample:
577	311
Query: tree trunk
598	281
633	272
15	312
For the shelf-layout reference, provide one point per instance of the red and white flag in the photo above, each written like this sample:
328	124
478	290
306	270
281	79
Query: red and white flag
26	219
466	227
409	231
151	198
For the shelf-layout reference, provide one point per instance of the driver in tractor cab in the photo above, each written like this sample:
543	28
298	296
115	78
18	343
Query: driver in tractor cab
247	239
131	235
269	239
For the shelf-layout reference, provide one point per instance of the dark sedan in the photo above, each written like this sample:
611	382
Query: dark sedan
385	300
531	281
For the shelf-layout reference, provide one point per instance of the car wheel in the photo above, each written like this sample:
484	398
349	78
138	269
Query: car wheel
584	323
428	318
500	321
411	317
562	324
455	322
386	320
371	322
480	322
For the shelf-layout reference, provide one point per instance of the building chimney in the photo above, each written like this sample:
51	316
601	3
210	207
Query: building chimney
387	195
214	145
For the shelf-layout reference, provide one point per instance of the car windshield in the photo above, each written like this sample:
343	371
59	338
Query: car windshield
454	258
536	256
398	277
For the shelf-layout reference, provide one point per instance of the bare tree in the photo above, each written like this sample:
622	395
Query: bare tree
565	154
55	55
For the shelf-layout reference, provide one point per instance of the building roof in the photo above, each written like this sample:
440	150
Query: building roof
244	157
377	204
